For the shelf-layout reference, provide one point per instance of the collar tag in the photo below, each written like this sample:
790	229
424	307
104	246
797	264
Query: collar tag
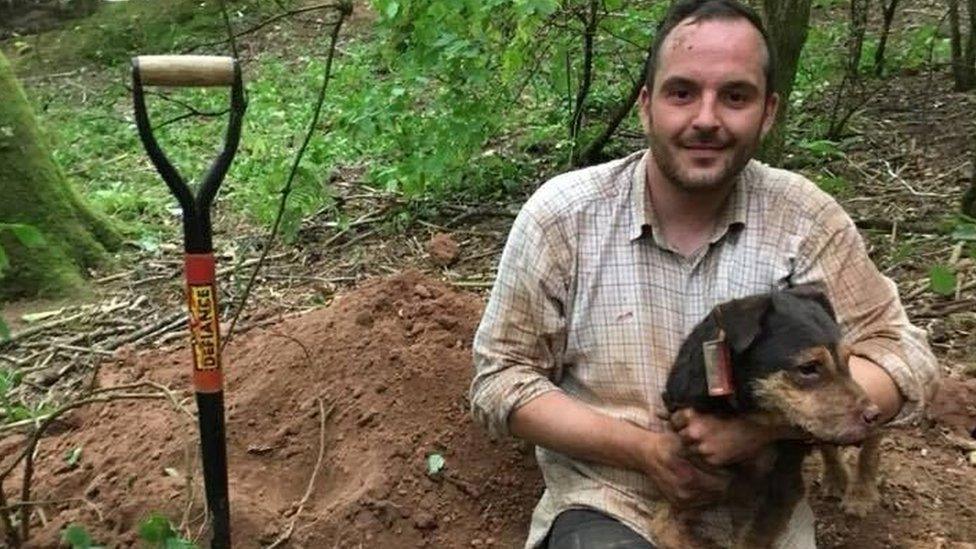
718	366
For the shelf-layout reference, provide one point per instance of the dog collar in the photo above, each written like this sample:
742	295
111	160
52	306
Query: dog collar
718	362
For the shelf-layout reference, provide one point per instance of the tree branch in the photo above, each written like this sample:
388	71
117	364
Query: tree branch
345	9
330	5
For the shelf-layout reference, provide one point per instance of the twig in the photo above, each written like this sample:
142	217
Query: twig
147	331
898	178
230	31
192	112
323	415
345	10
337	5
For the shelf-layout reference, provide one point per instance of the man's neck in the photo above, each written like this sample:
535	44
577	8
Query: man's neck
686	217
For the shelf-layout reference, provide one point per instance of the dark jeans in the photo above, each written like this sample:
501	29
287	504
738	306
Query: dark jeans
590	529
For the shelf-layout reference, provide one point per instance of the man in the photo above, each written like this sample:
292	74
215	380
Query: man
608	268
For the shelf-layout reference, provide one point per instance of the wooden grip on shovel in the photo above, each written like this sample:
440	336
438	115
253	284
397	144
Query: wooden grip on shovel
184	70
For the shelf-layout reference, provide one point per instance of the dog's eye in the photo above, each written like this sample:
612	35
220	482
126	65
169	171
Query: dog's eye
808	369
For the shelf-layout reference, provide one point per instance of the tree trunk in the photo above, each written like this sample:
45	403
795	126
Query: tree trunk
963	75
36	193
788	22
969	53
858	27
888	14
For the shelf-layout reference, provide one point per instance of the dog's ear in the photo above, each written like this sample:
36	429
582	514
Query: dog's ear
742	320
813	292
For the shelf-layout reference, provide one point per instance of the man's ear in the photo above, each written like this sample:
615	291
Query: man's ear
769	113
814	293
644	109
742	320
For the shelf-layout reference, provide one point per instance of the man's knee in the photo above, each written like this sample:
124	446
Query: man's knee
587	528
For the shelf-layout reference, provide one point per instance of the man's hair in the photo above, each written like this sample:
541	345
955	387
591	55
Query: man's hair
708	10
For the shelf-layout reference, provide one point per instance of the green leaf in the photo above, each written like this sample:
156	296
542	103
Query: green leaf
435	463
28	235
4	262
76	536
391	9
156	529
942	280
4	331
73	457
963	231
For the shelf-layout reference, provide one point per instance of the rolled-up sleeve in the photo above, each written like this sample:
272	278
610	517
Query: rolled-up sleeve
868	308
522	334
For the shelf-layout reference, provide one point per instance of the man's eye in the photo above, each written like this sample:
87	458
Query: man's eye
681	94
736	98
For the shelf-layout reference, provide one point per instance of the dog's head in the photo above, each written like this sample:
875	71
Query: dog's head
788	366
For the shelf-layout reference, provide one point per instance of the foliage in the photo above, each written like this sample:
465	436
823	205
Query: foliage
156	531
12	409
467	100
159	533
78	538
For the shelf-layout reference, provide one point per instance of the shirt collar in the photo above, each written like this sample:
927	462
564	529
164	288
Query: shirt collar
642	211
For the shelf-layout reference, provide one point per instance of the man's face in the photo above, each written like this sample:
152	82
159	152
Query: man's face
708	110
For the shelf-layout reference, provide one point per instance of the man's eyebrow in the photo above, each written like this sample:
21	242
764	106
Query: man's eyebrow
678	81
740	85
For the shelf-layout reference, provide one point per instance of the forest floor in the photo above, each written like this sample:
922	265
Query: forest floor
351	363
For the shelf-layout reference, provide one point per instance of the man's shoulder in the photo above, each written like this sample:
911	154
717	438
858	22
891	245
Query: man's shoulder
790	193
570	193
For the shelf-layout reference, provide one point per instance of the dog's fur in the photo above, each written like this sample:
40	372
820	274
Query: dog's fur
789	369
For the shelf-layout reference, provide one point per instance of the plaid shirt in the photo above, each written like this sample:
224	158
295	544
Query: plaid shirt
590	300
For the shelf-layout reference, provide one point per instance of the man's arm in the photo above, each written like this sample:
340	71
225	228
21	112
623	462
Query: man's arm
517	354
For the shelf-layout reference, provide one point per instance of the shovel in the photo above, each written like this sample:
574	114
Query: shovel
200	269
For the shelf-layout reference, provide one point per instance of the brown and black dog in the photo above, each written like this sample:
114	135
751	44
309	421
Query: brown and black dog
787	367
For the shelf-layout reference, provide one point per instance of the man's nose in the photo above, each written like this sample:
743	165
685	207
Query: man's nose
706	119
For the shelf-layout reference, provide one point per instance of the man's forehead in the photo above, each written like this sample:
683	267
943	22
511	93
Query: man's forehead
730	42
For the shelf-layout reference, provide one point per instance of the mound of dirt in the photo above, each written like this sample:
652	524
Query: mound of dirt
391	363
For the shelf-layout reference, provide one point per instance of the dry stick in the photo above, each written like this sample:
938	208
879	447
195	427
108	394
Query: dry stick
345	10
323	415
340	6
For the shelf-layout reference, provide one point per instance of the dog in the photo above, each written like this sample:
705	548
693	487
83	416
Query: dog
777	359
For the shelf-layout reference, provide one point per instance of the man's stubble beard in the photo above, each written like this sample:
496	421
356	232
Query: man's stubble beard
731	168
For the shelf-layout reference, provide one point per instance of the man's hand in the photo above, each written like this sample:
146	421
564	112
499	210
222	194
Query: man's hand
678	480
720	441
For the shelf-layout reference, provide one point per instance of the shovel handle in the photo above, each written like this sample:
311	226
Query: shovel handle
184	70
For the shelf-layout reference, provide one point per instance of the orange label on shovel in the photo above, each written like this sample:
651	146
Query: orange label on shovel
204	324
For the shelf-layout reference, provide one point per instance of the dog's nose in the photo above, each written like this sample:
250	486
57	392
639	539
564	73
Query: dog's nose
871	414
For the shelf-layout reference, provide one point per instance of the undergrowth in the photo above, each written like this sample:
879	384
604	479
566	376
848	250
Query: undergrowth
466	102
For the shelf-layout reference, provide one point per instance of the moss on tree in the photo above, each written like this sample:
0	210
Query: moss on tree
34	191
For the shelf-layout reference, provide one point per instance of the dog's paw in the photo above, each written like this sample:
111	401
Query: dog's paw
834	483
860	500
